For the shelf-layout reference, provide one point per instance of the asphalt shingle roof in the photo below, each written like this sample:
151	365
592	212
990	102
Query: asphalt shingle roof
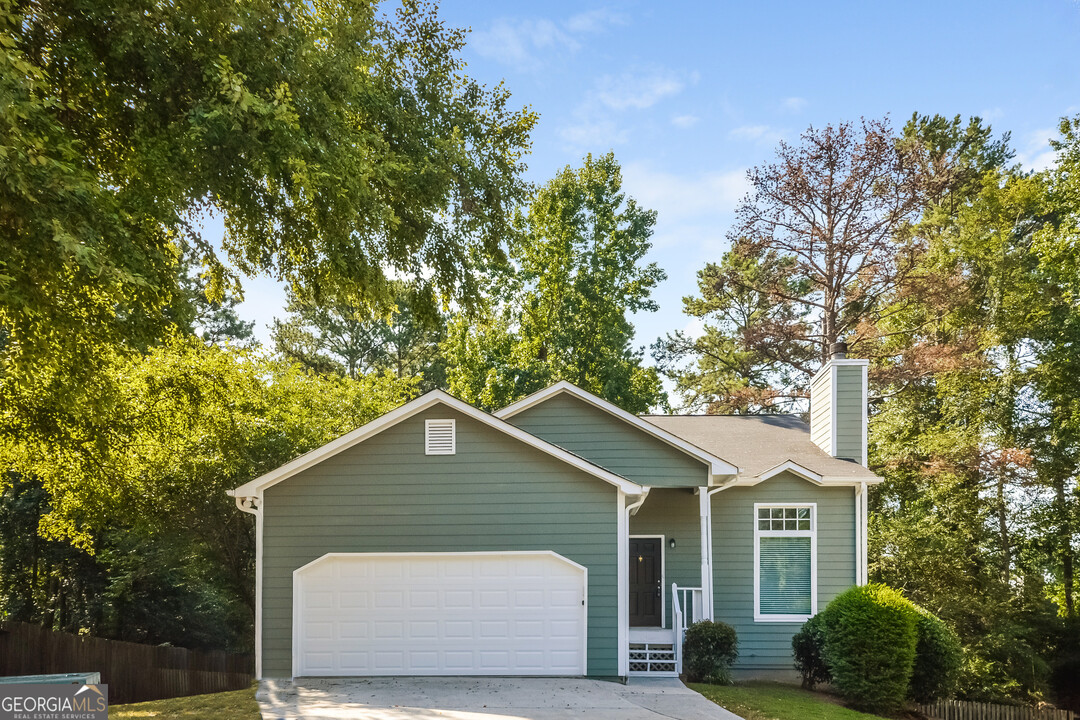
757	443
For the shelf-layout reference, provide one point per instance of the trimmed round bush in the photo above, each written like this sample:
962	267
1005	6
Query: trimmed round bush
938	657
808	646
870	640
709	650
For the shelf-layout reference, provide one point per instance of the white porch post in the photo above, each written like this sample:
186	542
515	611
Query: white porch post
705	511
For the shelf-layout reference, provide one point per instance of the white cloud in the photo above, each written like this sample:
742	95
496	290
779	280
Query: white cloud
1035	152
595	120
757	133
516	42
685	121
639	90
594	133
524	42
683	199
793	104
594	21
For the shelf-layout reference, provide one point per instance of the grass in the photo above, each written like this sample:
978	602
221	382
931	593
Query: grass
235	705
774	701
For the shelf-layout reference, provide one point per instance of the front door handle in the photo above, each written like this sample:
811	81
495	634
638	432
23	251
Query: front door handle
659	589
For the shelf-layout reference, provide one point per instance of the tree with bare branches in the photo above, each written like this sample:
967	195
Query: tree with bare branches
825	248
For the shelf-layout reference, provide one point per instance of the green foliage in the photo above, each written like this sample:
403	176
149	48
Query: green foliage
797	279
710	648
938	658
338	338
562	313
727	373
808	647
870	640
189	418
342	145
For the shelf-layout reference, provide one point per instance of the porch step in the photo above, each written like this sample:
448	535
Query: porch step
653	636
656	659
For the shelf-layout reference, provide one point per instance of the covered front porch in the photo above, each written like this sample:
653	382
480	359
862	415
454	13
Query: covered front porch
667	567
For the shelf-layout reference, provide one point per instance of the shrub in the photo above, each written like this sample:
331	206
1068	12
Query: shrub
808	646
938	657
709	650
870	640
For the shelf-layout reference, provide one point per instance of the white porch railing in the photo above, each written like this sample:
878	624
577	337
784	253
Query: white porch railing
686	607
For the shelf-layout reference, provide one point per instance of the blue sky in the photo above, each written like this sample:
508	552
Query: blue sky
690	95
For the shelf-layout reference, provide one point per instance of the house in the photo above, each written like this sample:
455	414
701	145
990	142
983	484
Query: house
558	536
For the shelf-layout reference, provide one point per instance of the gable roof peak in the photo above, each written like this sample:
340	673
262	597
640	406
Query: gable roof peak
254	488
717	465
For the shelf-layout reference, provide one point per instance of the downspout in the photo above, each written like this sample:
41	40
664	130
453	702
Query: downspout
623	631
858	535
864	521
632	507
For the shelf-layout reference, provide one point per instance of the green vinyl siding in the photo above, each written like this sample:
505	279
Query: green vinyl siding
386	495
850	405
767	645
673	513
610	442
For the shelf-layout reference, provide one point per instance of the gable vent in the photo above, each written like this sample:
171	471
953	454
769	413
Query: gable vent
439	437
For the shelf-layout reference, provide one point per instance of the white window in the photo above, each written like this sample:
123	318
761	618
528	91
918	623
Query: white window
785	562
439	437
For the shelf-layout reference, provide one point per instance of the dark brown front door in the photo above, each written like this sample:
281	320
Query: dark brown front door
646	593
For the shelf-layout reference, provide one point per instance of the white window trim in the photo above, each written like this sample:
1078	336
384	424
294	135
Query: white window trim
812	534
663	573
453	435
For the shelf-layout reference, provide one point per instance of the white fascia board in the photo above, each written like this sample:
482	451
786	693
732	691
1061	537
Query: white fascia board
254	488
833	363
717	465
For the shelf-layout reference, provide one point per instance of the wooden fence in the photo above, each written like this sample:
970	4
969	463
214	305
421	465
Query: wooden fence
133	672
963	710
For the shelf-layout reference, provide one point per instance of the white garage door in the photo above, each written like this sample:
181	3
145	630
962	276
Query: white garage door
439	614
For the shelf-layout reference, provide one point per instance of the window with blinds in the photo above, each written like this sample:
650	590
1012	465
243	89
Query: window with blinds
439	437
785	563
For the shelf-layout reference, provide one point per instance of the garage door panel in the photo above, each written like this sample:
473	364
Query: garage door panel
440	615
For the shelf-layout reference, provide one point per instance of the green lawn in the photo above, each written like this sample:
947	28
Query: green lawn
236	705
774	701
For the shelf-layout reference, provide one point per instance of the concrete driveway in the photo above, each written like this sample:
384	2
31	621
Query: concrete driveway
483	699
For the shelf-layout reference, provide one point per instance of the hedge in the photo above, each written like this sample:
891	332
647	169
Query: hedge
870	641
938	656
709	650
878	649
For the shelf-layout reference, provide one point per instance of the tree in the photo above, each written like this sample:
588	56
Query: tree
341	145
134	536
825	248
734	367
979	455
193	311
336	338
562	315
